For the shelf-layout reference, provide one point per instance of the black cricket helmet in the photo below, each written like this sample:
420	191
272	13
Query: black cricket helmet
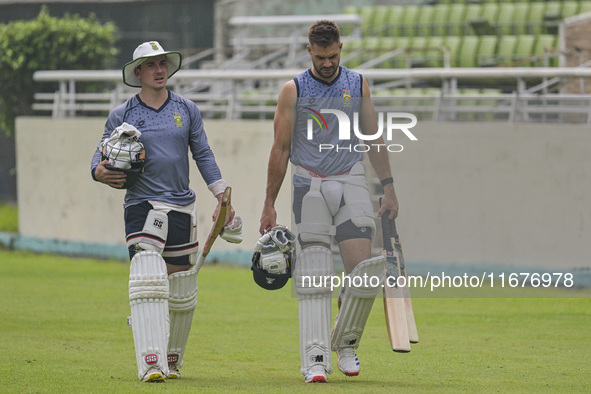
267	280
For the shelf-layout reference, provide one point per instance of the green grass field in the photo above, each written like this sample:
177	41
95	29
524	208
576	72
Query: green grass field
8	218
63	329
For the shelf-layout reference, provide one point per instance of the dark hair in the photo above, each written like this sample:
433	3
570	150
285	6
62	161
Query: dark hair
324	33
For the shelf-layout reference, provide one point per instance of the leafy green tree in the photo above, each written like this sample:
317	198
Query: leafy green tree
48	43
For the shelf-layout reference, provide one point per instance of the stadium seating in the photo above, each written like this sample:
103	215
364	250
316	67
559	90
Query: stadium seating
458	17
483	33
464	51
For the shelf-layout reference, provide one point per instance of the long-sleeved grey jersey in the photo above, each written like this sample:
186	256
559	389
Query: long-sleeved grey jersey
167	134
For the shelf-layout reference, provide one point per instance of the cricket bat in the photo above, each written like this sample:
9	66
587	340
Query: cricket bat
413	334
394	302
217	227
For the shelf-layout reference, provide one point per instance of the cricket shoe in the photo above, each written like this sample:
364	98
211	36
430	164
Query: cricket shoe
153	375
173	372
348	362
316	374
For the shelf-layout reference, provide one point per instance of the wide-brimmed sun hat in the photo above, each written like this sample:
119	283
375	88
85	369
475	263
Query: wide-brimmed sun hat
147	50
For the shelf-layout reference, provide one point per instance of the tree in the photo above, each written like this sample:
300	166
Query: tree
48	43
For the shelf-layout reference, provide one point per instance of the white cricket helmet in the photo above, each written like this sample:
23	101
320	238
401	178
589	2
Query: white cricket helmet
125	153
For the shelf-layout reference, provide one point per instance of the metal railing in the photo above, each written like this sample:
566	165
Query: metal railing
236	94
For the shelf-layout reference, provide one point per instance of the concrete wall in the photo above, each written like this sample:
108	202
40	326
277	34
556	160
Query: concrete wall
59	199
494	193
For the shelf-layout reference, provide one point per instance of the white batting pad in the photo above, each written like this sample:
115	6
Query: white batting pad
181	303
148	298
365	283
313	266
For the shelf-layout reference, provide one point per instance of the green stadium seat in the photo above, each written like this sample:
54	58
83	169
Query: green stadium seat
569	8
473	12
468	50
418	46
505	23
584	6
351	9
524	48
425	19
347	29
396	21
456	19
367	20
381	20
388	44
535	17
440	19
409	19
487	48
552	17
371	46
490	12
506	49
453	44
349	49
402	42
553	7
544	46
519	19
433	52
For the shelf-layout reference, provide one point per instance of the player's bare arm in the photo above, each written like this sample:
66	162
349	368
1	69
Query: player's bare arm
378	158
279	157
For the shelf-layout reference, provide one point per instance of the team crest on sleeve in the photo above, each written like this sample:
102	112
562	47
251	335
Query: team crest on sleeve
178	121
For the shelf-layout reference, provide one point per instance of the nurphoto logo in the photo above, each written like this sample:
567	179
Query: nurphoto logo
388	123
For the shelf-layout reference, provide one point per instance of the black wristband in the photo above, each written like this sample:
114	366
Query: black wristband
386	181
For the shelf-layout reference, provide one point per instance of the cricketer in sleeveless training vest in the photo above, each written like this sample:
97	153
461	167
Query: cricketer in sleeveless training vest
344	94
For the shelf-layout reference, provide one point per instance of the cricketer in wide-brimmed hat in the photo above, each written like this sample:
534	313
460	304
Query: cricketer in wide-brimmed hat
147	50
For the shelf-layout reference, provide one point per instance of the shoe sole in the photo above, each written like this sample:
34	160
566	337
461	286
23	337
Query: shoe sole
317	379
154	378
349	373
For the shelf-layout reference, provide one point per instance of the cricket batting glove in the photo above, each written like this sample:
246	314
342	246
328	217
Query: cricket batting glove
232	232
